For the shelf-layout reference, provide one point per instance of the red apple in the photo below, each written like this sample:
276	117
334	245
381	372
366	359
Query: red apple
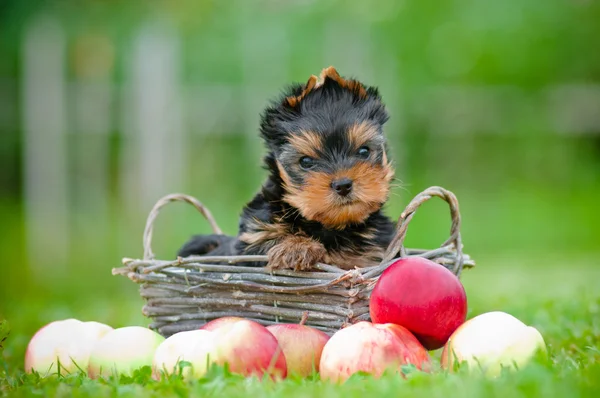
424	297
247	347
69	341
302	346
370	348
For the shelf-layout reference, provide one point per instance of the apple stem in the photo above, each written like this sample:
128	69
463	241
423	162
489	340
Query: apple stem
304	318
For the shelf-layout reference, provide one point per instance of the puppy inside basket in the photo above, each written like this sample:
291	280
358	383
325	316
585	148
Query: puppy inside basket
329	176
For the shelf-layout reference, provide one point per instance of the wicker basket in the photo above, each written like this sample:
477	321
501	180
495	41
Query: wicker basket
186	293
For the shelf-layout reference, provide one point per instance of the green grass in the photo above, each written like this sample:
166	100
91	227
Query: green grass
559	296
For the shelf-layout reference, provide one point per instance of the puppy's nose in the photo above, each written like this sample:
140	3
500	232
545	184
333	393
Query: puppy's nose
343	186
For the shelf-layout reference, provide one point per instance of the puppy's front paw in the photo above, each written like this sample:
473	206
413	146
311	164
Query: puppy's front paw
296	252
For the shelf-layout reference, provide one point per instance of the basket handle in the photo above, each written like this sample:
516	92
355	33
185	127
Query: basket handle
176	197
397	242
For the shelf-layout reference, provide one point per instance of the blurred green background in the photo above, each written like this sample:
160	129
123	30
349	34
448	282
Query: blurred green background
106	106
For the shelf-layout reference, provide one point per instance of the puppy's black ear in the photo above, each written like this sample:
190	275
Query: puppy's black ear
284	109
280	111
270	126
292	101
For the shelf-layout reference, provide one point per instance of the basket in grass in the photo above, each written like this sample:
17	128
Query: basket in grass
185	293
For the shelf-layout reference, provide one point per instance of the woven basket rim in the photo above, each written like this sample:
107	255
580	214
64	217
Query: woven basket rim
452	244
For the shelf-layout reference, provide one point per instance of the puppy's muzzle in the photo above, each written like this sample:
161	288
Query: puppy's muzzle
343	186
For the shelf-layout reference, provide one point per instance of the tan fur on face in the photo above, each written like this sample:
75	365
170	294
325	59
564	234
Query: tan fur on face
318	202
307	143
361	133
287	181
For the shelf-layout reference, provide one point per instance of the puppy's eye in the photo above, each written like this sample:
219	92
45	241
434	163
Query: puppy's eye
307	162
363	152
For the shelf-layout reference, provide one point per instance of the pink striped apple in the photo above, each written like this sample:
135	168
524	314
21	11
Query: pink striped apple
216	323
370	348
247	348
302	346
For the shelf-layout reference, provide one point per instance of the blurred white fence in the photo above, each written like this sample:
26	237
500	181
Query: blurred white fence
157	113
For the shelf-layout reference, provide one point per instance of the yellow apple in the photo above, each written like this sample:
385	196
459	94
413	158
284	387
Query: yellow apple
68	341
122	351
176	348
492	341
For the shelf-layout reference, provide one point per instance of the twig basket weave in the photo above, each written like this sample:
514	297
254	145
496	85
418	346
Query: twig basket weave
185	293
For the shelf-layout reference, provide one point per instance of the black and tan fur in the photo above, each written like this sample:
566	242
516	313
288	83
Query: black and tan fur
298	218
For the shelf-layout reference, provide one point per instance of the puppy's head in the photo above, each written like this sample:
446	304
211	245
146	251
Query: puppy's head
326	143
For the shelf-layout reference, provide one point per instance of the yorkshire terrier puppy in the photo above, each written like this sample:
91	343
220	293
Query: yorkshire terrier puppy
329	178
